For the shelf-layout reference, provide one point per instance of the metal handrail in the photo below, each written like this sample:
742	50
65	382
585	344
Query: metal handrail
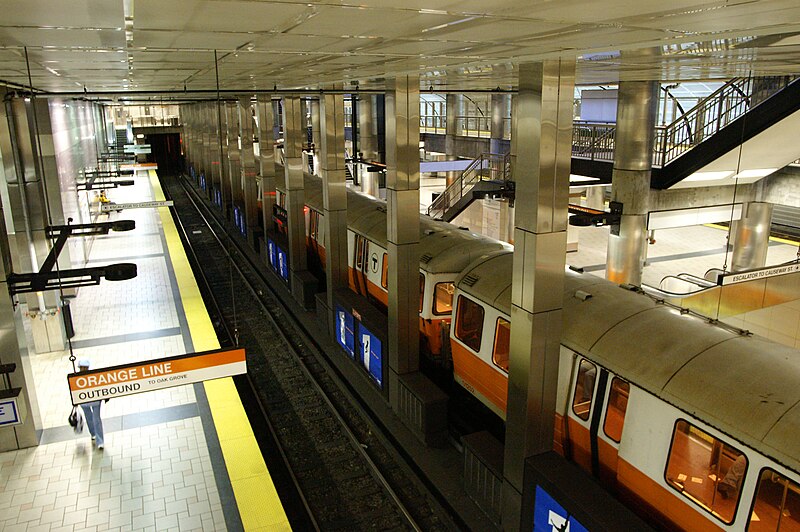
596	140
488	166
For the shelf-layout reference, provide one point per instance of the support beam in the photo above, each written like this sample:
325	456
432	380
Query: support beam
402	232
541	152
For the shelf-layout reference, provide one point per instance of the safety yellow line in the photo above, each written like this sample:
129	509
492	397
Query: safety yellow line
772	238
258	502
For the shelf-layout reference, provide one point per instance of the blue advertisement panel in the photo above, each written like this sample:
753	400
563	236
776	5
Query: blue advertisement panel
272	253
345	331
371	354
549	516
283	264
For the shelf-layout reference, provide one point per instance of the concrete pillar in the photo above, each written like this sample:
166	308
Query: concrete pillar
293	135
247	165
499	103
267	170
35	202
334	196
630	182
596	198
402	231
752	237
542	138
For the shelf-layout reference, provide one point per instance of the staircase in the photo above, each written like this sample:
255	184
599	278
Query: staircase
488	176
595	141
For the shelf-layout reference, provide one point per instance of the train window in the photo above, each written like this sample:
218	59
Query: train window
359	253
469	323
706	470
777	504
584	389
502	337
385	271
615	411
443	298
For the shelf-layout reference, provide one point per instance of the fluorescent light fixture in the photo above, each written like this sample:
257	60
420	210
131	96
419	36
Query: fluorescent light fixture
755	173
576	178
709	176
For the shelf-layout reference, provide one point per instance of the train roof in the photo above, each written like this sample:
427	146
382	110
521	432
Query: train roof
443	247
745	386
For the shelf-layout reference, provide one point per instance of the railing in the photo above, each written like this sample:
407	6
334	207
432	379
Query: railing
432	124
595	141
155	121
487	167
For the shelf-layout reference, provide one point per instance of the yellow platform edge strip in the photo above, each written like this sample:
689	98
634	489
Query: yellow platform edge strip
772	238
259	506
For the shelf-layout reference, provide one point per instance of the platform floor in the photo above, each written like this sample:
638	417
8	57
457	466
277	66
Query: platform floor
166	464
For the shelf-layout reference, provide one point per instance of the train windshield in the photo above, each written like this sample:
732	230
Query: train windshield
443	298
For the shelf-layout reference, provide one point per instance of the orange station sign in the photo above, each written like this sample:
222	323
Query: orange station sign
139	377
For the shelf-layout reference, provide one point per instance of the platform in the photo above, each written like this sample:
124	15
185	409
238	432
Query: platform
183	458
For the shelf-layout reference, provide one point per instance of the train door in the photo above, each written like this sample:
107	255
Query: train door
360	265
595	419
580	413
609	433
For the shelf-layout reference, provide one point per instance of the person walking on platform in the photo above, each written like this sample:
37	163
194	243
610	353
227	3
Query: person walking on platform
91	411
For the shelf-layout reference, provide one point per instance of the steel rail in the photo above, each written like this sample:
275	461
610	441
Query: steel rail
303	366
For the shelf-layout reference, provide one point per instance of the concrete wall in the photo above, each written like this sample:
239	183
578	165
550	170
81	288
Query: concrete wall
781	188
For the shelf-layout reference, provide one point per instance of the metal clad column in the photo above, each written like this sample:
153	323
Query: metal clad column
316	135
752	237
213	158
452	110
402	195
26	174
630	181
542	139
248	166
234	155
499	102
13	350
334	195
266	148
293	131
367	139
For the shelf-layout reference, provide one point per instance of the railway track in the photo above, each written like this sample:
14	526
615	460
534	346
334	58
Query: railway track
345	476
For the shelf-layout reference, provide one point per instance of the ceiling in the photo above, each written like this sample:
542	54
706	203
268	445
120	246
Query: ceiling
114	45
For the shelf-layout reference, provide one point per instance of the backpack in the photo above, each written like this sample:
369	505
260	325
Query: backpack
75	420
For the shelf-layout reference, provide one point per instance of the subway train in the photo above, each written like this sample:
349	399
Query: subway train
694	425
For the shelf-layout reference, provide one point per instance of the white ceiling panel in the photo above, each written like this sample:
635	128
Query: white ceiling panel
219	16
72	13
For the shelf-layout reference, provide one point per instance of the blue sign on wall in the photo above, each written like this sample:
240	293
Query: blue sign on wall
371	353
283	264
549	516
345	331
272	253
9	414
